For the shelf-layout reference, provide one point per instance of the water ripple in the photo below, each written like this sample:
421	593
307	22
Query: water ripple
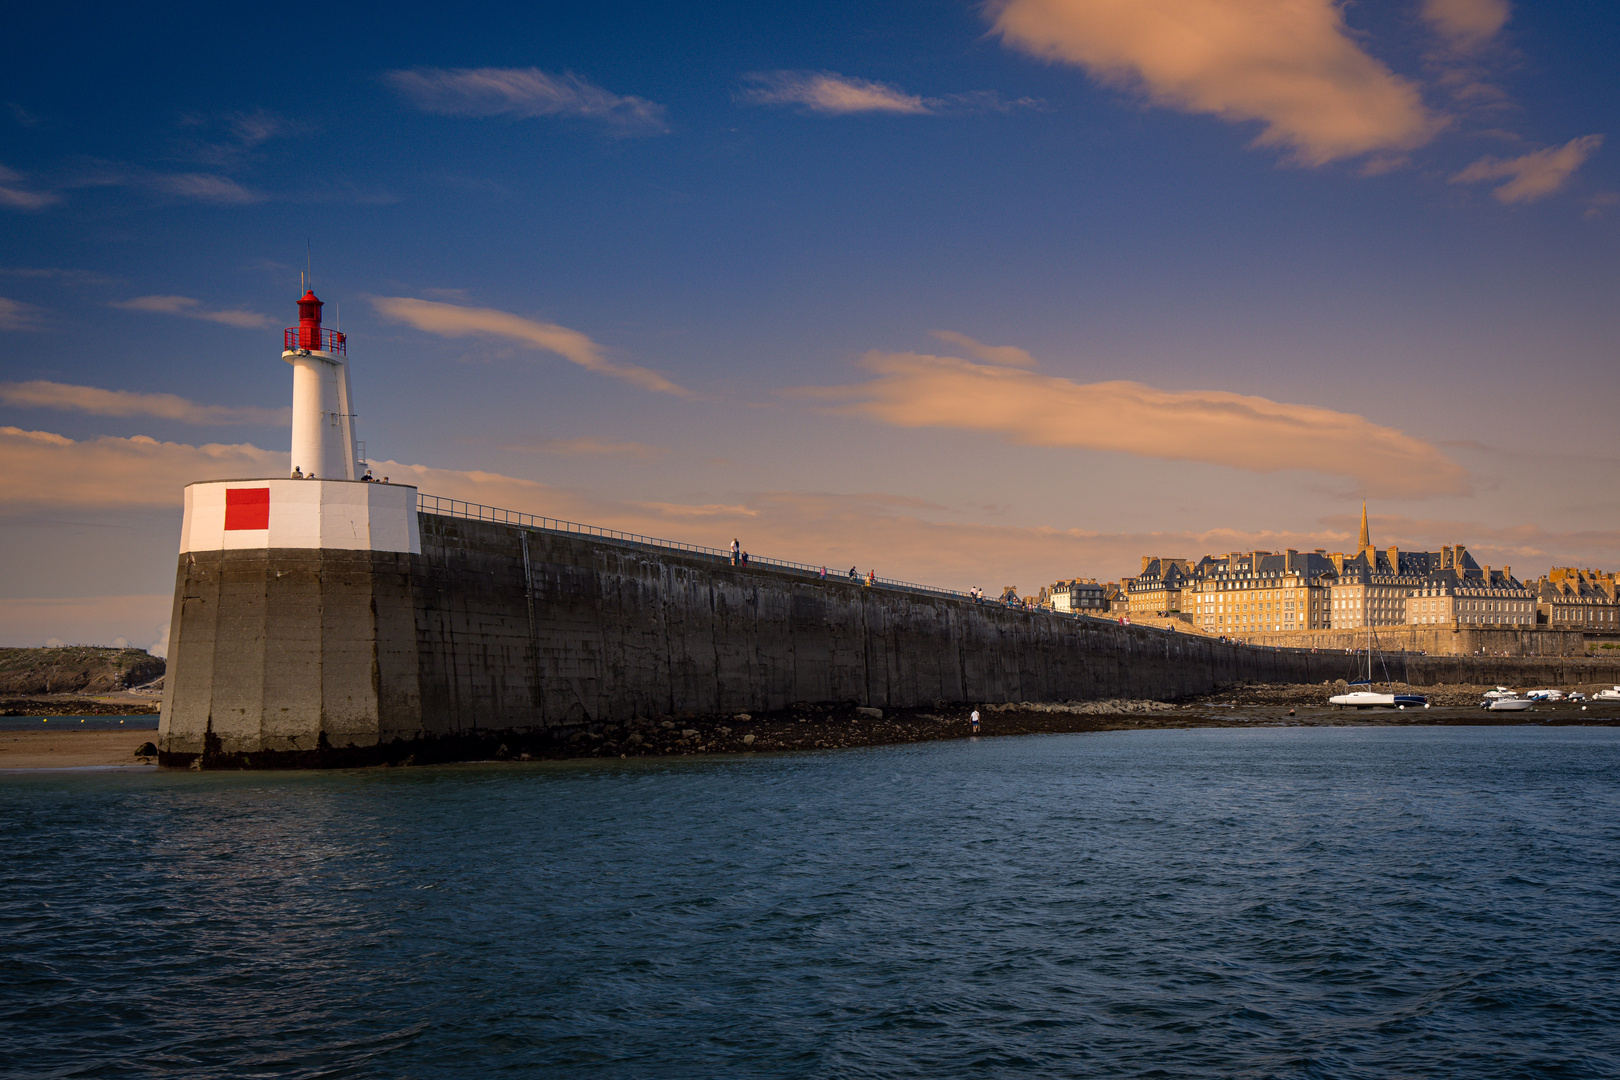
1355	902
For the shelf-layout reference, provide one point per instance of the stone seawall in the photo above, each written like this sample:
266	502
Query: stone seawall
1436	641
309	657
596	630
321	657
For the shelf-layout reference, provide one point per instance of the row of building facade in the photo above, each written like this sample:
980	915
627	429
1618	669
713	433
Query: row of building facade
1272	592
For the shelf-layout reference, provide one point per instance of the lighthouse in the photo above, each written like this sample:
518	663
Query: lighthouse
322	417
293	627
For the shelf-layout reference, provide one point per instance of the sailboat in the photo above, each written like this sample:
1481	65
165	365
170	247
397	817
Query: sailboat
1367	697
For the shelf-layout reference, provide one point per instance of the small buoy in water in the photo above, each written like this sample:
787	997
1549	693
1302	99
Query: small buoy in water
1425	704
1402	708
1583	708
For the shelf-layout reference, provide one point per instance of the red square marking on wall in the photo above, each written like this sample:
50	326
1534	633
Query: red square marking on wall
247	508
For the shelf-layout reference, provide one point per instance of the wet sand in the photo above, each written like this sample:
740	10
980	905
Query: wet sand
825	727
65	748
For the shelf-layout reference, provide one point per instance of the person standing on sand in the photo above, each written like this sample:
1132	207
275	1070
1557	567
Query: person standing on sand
974	720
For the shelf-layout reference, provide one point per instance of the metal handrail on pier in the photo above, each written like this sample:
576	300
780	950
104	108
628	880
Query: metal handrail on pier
435	504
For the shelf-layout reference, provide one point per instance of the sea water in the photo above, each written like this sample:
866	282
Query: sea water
1317	902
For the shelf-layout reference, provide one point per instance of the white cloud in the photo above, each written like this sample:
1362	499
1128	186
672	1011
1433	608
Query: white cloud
1535	175
192	309
40	394
524	93
1239	431
840	95
453	320
1293	66
203	187
16	315
20	198
1467	24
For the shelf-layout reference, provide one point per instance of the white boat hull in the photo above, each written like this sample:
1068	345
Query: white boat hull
1509	705
1368	699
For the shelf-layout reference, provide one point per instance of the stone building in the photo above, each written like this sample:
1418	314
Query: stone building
1572	599
1157	589
1083	595
1261	592
1464	594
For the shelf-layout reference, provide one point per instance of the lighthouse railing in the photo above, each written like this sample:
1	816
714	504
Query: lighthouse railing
314	338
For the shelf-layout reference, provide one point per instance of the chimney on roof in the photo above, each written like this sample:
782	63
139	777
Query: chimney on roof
1146	559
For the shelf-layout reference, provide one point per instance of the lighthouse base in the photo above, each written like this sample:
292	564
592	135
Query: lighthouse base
289	656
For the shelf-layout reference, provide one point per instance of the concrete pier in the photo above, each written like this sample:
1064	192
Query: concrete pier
298	656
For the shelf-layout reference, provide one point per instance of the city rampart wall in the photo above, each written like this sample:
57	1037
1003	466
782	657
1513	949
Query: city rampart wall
1436	641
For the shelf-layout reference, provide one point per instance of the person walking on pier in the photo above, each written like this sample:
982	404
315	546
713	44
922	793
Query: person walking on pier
736	548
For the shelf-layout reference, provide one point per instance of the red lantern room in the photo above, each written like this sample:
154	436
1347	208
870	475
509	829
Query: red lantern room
308	334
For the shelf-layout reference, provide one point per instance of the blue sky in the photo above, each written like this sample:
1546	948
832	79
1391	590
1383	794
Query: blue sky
1207	273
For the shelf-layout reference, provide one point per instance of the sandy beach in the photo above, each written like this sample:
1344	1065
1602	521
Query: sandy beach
65	748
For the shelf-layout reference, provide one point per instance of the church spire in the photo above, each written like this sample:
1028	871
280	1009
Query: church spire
1366	540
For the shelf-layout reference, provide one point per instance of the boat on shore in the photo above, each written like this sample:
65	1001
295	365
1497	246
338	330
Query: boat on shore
1368	698
1507	704
1611	694
1372	699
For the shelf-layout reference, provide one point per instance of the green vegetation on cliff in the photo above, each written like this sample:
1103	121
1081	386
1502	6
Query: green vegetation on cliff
76	669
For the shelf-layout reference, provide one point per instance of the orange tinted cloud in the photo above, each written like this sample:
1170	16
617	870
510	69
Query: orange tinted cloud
1535	175
1290	65
1241	431
454	320
826	92
898	536
1467	24
46	469
41	394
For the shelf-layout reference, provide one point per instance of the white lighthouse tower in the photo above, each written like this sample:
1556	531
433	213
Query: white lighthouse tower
288	620
322	417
